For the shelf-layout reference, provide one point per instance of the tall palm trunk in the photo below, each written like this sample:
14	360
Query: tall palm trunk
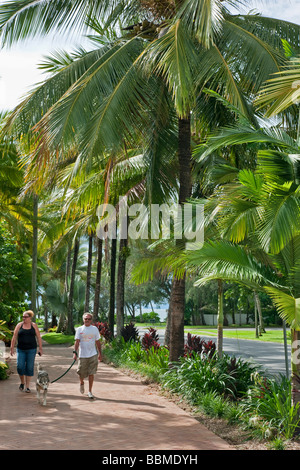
220	318
295	366
98	279
261	328
70	326
177	300
61	322
121	284
113	254
89	274
34	253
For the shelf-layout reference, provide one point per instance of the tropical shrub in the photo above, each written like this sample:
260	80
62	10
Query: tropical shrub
269	404
150	339
134	352
158	357
104	331
196	375
5	333
150	317
241	371
130	333
3	370
52	329
194	344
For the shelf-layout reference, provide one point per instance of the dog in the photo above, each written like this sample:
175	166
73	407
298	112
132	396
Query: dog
42	383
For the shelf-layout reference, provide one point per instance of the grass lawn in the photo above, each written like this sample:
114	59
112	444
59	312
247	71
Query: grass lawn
273	335
58	338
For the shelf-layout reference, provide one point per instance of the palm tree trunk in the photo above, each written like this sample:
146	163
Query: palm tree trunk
121	284
111	315
34	253
88	274
220	318
70	326
177	301
61	321
261	327
295	366
98	280
177	319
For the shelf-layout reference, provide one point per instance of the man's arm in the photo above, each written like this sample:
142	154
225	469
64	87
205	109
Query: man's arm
76	347
98	346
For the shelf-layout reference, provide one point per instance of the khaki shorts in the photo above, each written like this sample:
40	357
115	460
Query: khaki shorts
87	366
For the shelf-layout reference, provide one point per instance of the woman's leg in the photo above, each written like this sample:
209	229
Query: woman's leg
21	366
30	358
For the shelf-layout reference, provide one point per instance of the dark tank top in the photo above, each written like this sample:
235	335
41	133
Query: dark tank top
26	338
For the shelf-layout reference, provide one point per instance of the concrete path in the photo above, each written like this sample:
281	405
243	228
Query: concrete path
125	414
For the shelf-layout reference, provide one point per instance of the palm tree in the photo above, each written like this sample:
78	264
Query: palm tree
259	220
194	43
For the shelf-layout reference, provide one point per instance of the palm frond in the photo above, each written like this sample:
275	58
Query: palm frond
281	91
224	260
108	98
288	307
173	56
203	19
21	19
281	217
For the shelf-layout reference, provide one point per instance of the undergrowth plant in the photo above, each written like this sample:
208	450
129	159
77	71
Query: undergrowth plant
223	387
271	401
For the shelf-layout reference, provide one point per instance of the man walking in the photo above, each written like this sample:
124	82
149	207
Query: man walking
87	341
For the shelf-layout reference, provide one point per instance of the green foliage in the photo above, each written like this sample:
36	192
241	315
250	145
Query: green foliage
5	333
271	400
58	338
158	357
196	375
151	317
15	277
215	405
3	370
226	387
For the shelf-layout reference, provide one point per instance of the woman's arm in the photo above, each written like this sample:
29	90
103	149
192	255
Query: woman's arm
39	338
13	341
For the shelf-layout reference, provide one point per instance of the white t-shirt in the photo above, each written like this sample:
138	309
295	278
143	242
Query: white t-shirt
87	336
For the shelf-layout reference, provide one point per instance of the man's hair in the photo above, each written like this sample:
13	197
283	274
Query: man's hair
87	314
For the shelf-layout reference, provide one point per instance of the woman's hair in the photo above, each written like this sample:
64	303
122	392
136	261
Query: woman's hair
30	313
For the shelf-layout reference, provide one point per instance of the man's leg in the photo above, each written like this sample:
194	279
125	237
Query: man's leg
91	381
81	387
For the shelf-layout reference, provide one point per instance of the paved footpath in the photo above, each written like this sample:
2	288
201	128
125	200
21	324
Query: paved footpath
125	414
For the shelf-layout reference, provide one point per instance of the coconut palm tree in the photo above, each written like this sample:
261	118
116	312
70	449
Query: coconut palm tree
106	96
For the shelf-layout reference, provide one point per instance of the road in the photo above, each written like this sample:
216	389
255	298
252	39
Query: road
269	355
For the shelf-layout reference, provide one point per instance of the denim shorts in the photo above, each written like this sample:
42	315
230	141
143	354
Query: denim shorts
25	361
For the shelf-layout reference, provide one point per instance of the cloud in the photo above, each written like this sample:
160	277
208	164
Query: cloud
18	74
288	10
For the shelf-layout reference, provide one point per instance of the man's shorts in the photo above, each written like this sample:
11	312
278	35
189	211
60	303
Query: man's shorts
87	366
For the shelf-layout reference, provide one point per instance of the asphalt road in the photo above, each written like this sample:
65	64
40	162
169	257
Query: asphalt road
270	356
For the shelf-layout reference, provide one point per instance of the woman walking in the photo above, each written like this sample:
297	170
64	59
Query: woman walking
25	334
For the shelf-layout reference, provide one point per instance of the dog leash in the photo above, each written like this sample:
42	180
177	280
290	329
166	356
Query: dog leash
52	381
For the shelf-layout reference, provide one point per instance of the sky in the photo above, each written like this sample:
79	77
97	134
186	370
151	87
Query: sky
19	65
